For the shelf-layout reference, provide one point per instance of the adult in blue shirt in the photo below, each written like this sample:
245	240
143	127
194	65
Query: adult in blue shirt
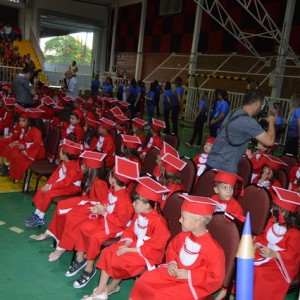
108	87
222	111
200	119
150	102
157	96
167	104
177	103
131	96
293	134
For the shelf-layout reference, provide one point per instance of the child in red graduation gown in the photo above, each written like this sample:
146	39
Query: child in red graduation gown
294	178
66	180
74	127
195	263
70	213
155	139
8	117
201	158
138	131
31	147
109	222
90	134
277	255
142	244
106	143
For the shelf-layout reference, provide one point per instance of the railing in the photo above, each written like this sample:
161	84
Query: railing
8	74
36	46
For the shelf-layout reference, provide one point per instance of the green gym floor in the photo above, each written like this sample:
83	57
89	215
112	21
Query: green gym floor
26	273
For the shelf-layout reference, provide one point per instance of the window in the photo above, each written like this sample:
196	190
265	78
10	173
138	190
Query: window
170	7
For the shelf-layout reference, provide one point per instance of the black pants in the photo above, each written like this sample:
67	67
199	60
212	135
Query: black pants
166	116
174	116
25	105
198	130
157	105
291	145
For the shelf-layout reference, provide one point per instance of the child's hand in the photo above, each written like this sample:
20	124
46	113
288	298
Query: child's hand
122	250
267	252
45	188
172	269
182	274
21	147
93	209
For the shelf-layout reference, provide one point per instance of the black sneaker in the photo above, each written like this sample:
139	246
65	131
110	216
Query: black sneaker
76	267
84	278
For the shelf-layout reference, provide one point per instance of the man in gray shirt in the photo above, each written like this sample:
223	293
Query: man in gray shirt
23	90
236	132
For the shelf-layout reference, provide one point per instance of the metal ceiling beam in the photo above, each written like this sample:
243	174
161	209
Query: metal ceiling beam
215	9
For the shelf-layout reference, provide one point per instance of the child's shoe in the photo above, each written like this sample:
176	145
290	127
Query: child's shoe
84	279
36	222
76	267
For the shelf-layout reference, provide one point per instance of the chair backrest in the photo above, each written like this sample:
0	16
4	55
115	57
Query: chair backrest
227	236
188	174
118	142
205	185
283	178
256	201
290	161
172	140
52	140
46	127
245	170
172	212
149	162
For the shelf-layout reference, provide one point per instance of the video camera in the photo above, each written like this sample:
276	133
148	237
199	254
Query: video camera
263	114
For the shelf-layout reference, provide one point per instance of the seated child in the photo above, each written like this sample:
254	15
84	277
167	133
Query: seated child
195	263
66	180
294	178
8	118
277	255
225	184
74	129
70	213
90	129
201	158
142	244
138	125
106	222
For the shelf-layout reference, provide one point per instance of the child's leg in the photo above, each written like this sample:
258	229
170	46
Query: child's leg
79	256
89	266
113	286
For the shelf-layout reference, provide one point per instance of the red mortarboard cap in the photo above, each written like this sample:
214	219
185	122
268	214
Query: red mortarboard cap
106	99
80	100
116	111
68	99
48	100
172	164
166	148
229	178
286	199
131	141
90	114
58	108
158	124
79	113
123	104
210	140
121	119
9	101
198	205
19	109
273	162
107	124
6	86
92	159
71	147
150	189
138	123
34	113
125	169
92	122
113	102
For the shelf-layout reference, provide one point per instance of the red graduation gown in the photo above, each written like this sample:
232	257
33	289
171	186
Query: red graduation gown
155	141
231	206
201	256
200	161
34	149
7	120
149	234
294	177
70	213
272	279
66	180
106	144
93	232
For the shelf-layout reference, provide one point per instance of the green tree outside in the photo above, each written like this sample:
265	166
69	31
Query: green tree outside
63	49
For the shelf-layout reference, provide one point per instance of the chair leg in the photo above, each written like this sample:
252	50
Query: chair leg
29	179
24	183
37	183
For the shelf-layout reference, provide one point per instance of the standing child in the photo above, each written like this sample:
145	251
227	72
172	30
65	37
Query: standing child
201	158
277	251
65	180
142	244
107	221
195	263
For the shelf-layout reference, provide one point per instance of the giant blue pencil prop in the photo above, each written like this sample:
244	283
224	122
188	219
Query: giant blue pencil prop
245	264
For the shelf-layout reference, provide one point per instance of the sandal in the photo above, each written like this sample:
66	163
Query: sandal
43	236
55	255
93	296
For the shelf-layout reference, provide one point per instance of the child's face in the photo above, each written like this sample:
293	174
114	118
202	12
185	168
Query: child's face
158	159
74	120
188	222
224	190
207	147
101	130
267	171
62	156
140	207
23	122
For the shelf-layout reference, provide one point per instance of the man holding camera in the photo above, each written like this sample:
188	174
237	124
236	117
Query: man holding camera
237	130
23	90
